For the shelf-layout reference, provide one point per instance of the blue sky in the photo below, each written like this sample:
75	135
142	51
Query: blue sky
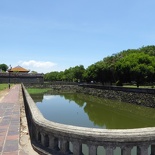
53	35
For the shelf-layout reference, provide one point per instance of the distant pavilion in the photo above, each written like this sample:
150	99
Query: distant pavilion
19	74
18	69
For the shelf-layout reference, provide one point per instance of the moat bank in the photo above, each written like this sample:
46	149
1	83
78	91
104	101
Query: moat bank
144	97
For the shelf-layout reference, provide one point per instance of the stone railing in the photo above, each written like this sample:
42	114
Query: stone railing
59	139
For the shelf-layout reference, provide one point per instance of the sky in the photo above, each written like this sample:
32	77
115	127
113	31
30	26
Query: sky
54	35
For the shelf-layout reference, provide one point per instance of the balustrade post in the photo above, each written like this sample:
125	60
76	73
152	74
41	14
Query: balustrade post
142	150
44	140
126	150
77	148
33	130
38	137
92	150
53	143
153	149
64	146
109	150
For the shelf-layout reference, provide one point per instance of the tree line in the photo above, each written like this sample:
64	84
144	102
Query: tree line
132	65
128	66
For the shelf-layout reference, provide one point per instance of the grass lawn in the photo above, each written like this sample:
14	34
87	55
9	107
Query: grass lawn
37	90
3	86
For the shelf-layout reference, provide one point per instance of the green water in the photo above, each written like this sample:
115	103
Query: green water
89	111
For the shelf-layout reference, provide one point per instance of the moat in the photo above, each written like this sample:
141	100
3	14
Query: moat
89	111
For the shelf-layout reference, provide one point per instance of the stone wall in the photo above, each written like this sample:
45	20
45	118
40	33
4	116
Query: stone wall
124	95
21	78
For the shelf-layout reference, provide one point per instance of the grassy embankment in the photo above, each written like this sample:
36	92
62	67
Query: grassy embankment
38	90
44	90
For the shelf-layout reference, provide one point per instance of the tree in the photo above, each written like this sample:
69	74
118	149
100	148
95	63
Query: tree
78	72
137	67
4	67
150	50
34	72
52	76
91	73
68	75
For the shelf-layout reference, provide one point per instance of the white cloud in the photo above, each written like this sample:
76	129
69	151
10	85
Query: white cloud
49	97
39	66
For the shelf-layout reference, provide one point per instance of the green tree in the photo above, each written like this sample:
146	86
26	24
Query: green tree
4	67
137	67
52	76
68	75
34	72
78	72
91	73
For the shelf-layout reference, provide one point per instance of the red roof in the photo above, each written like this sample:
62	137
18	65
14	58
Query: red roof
18	69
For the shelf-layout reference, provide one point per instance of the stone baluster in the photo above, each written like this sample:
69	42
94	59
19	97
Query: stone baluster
53	143
126	150
44	140
142	150
109	149
77	148
38	137
35	136
92	150
64	146
153	149
33	130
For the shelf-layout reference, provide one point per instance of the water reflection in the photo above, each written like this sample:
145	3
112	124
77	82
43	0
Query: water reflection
37	97
89	111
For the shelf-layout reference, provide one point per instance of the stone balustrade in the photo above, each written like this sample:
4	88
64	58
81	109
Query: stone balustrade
60	139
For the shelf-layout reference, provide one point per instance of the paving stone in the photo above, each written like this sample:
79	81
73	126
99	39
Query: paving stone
11	146
10	122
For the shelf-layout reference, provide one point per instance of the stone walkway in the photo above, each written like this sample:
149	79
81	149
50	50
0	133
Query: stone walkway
10	122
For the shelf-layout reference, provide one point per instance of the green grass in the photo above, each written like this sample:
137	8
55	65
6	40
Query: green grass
4	86
37	90
134	86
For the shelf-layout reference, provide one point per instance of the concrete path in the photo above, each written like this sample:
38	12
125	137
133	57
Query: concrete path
10	122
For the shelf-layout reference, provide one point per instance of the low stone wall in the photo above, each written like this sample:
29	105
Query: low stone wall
119	88
21	78
124	95
59	139
130	97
